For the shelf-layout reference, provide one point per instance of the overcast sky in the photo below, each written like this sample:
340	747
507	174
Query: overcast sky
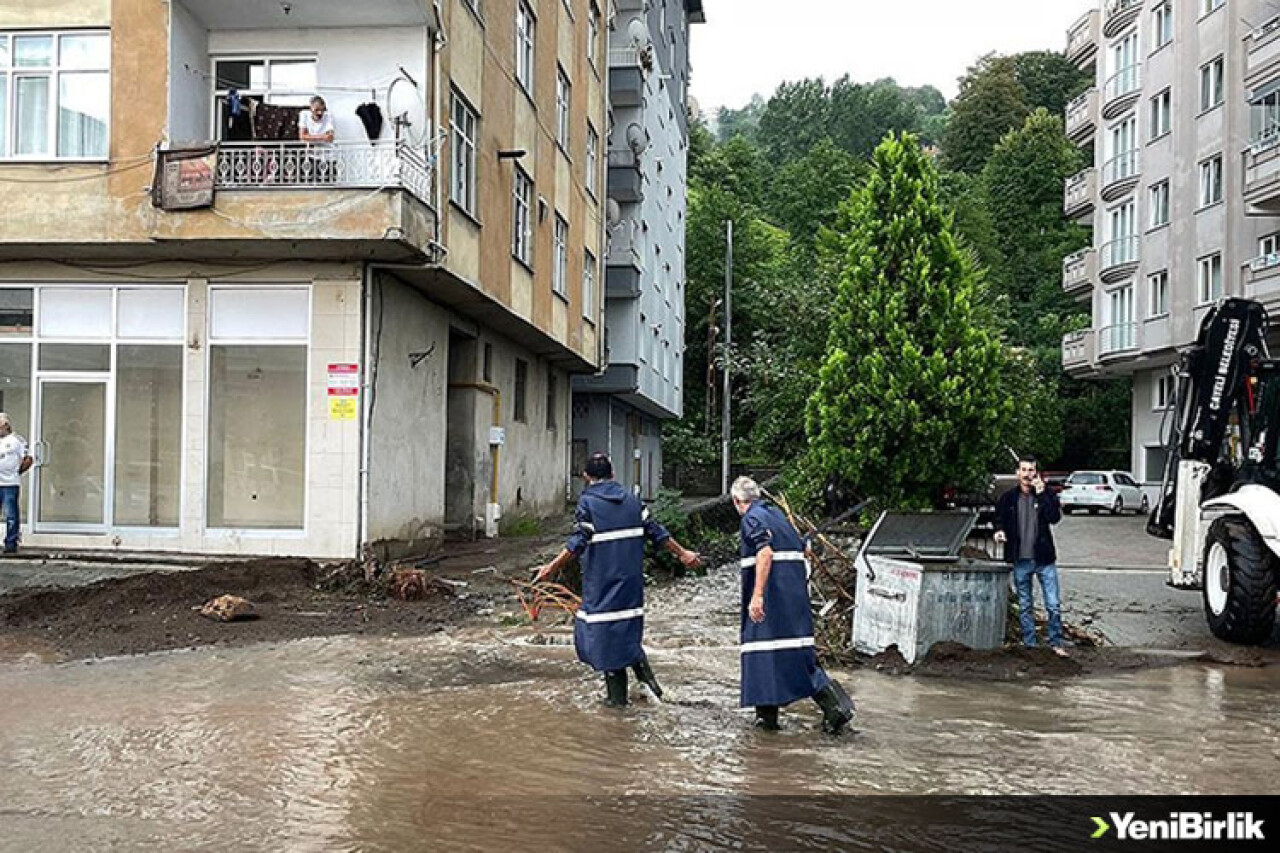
750	46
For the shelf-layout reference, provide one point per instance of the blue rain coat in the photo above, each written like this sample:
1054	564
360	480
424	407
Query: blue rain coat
779	664
611	528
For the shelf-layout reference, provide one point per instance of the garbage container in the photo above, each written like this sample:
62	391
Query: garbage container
914	589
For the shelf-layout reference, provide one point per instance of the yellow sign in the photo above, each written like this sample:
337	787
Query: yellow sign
342	408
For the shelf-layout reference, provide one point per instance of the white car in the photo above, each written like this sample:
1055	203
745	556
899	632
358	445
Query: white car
1112	491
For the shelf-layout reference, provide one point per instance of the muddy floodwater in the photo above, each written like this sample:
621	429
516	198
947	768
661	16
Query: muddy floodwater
479	738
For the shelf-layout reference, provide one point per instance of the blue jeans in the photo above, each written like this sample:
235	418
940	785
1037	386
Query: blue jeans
1023	572
9	500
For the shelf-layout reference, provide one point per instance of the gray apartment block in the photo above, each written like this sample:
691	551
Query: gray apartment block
1184	192
620	410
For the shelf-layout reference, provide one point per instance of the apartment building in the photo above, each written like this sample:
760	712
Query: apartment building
219	338
620	411
1184	192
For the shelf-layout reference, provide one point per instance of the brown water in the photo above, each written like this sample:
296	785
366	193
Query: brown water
481	740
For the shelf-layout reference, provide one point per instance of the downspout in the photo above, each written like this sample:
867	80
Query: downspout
493	511
366	422
436	46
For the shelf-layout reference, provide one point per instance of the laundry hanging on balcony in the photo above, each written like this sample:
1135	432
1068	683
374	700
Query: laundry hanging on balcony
272	122
370	115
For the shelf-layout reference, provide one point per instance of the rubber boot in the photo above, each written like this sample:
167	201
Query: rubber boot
767	718
837	707
615	685
644	674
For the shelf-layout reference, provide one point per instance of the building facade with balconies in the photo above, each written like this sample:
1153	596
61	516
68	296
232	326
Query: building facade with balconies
219	338
1185	198
620	411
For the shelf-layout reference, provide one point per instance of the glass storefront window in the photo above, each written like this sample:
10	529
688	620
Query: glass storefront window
90	358
15	386
148	457
16	312
257	436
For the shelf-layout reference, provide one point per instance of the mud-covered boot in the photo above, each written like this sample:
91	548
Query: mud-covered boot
767	718
615	686
837	707
644	674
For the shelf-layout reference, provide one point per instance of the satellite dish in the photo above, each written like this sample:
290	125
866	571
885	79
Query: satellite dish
613	213
637	138
638	33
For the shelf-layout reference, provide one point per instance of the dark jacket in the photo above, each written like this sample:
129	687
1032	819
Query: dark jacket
1048	512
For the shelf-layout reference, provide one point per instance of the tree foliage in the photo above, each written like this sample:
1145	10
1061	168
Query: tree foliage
909	395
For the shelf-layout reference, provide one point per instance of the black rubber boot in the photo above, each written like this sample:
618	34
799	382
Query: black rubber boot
767	718
644	674
615	685
837	707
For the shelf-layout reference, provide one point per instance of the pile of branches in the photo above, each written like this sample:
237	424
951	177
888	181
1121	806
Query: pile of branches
535	596
832	583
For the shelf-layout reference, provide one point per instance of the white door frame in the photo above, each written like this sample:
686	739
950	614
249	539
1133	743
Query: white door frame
107	381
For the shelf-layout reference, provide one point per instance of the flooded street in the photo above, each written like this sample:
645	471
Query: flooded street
477	738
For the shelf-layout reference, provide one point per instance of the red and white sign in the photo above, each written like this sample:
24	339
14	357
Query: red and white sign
344	380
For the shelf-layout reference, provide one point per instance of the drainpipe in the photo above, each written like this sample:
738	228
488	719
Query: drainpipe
366	422
493	509
436	46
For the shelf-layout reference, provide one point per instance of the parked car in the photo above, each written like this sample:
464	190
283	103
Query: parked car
1095	491
1056	480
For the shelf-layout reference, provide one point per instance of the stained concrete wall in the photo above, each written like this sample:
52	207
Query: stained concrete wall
190	93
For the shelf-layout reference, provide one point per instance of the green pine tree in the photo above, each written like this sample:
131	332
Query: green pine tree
910	397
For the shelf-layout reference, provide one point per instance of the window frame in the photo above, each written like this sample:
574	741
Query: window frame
1208	7
526	41
1210	181
552	401
522	189
593	35
1213	78
1158	204
520	392
1206	266
560	258
458	138
53	73
564	109
593	160
1160	115
589	264
1163	392
1158	294
1162	14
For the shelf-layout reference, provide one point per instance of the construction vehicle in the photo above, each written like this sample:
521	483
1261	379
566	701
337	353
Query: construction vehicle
1219	502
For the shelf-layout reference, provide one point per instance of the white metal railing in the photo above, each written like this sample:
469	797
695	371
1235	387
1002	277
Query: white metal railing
627	57
1265	30
1075	348
1078	104
1082	32
1120	251
1124	82
1121	167
339	165
1120	337
1075	267
1119	7
1265	262
1268	139
625	245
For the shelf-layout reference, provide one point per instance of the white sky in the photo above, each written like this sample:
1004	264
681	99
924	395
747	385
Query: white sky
750	46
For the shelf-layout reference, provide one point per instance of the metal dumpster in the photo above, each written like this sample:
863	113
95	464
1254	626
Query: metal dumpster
914	589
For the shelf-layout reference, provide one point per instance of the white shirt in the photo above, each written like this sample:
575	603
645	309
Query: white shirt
12	450
316	127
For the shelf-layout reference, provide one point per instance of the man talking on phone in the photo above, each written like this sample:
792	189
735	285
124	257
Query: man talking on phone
1023	518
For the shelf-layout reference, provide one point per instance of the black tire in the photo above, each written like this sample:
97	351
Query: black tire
1118	507
1067	510
1093	510
1249	610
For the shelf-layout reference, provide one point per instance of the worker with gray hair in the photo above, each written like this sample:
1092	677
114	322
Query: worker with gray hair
779	662
14	462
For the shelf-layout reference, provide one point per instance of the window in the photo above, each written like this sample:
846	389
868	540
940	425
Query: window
1269	246
593	33
1209	279
284	82
563	100
560	269
1211	181
522	387
525	23
1161	114
521	232
1264	118
55	95
1159	204
1207	6
552	402
593	158
1162	392
1155	458
1162	27
589	285
1121	333
462	155
1158	294
487	368
1211	83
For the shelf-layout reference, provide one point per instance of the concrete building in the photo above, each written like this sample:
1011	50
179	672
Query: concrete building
220	339
621	410
1183	196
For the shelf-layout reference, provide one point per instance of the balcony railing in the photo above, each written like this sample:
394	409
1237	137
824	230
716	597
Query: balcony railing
1078	350
630	57
626	246
1122	167
287	165
1082	38
1126	81
1119	14
1082	116
1120	252
1264	262
1120	337
1262	53
1079	269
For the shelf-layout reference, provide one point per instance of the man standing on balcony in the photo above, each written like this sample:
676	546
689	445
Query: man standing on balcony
1024	515
315	126
14	462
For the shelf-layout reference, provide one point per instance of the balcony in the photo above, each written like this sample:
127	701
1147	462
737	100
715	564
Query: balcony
1262	281
1080	193
1118	340
628	67
1120	258
268	165
1262	176
625	260
1083	38
626	183
1121	90
1120	174
1083	117
1120	14
1079	352
1262	54
1080	272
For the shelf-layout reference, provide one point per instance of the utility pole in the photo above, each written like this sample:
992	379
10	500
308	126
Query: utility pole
728	344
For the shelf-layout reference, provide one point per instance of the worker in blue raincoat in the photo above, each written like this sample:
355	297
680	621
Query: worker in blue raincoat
611	526
779	663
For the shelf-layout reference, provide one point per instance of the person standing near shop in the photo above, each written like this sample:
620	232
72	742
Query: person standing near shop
1024	516
14	462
